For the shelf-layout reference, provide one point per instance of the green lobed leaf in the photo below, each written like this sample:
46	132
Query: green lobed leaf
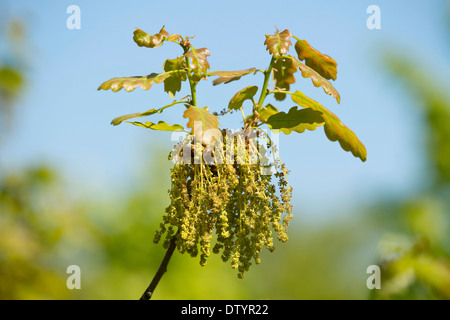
266	111
245	94
283	75
173	83
295	120
199	63
278	44
228	76
202	115
335	130
119	120
323	64
144	39
317	79
160	126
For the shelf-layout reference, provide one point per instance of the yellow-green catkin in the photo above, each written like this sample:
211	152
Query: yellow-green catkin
237	201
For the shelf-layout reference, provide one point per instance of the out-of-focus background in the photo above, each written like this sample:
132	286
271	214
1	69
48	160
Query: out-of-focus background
75	190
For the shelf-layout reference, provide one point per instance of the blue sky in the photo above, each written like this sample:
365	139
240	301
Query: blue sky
64	120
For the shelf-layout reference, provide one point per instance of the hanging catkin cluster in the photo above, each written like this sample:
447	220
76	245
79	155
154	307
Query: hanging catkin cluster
238	201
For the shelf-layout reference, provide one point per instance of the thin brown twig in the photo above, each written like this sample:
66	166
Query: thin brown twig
147	295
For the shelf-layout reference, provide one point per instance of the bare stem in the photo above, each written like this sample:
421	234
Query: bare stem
192	83
161	270
267	75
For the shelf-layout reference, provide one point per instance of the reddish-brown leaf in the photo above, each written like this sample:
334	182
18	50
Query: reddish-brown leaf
323	64
278	44
200	120
131	83
199	63
143	39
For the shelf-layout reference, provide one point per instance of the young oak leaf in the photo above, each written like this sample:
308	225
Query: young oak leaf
295	120
199	64
160	126
173	83
144	39
283	75
278	44
323	64
245	94
119	120
335	130
131	83
200	121
228	76
317	79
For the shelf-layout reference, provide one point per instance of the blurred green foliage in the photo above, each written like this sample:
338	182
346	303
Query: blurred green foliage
415	259
11	68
